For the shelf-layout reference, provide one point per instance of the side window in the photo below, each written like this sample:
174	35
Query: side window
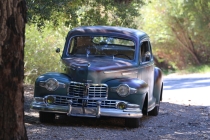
145	54
150	48
71	45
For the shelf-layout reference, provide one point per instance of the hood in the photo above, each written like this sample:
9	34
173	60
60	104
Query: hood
98	69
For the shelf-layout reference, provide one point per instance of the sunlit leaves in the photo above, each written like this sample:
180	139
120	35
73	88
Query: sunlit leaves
182	27
40	56
80	12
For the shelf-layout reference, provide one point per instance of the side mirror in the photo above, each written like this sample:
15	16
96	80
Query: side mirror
58	50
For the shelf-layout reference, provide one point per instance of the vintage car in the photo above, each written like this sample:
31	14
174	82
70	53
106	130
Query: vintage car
109	71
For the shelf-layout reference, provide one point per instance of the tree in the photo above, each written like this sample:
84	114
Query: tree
183	30
82	12
12	30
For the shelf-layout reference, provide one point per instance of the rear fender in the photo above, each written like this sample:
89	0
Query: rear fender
158	84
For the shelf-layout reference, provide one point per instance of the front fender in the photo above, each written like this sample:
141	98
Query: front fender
158	84
136	98
63	80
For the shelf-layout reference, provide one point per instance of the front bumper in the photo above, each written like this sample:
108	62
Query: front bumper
82	111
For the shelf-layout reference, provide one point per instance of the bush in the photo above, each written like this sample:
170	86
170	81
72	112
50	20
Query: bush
40	55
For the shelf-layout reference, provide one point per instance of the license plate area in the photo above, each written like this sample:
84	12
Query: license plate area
83	112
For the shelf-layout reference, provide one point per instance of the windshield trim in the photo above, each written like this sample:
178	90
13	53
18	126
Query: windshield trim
104	35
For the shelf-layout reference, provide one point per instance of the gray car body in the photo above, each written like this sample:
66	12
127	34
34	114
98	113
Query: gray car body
142	77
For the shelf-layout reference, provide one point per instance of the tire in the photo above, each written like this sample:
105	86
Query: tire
46	117
132	122
155	111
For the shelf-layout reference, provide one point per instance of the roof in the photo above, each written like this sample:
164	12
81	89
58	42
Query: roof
108	30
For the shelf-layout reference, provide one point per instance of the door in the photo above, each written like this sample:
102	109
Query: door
146	71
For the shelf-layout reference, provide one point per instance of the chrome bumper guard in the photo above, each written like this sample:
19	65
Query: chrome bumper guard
87	111
83	111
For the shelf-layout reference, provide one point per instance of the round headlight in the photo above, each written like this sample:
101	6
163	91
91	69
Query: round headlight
51	84
50	99
121	105
123	90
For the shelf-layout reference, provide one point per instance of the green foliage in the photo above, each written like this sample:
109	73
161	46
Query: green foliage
79	12
198	13
40	55
197	69
40	11
179	30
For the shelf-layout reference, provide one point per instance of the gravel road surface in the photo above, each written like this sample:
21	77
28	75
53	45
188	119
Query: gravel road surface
184	115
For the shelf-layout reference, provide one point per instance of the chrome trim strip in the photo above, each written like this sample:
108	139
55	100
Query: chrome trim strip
131	90
113	71
128	73
59	84
107	72
146	64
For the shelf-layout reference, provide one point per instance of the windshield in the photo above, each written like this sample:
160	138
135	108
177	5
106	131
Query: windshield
102	46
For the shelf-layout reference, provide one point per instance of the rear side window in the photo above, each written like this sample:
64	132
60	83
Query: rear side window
145	52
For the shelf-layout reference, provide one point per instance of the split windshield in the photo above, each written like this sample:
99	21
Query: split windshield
102	46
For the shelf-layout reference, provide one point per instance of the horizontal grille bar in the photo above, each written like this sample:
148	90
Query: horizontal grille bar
63	100
77	89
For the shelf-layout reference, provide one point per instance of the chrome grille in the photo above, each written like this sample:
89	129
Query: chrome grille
99	91
63	100
78	89
108	104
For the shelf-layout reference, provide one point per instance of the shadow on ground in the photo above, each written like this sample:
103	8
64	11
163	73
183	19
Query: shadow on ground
170	115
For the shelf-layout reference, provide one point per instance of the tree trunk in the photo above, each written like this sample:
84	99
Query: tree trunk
183	39
12	37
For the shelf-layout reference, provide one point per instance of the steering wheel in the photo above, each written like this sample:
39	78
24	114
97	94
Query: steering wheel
123	55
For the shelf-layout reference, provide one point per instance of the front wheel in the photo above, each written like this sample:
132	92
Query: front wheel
155	111
46	117
132	122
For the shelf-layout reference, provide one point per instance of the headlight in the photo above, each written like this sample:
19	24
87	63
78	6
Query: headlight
51	84
50	99
123	90
121	105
